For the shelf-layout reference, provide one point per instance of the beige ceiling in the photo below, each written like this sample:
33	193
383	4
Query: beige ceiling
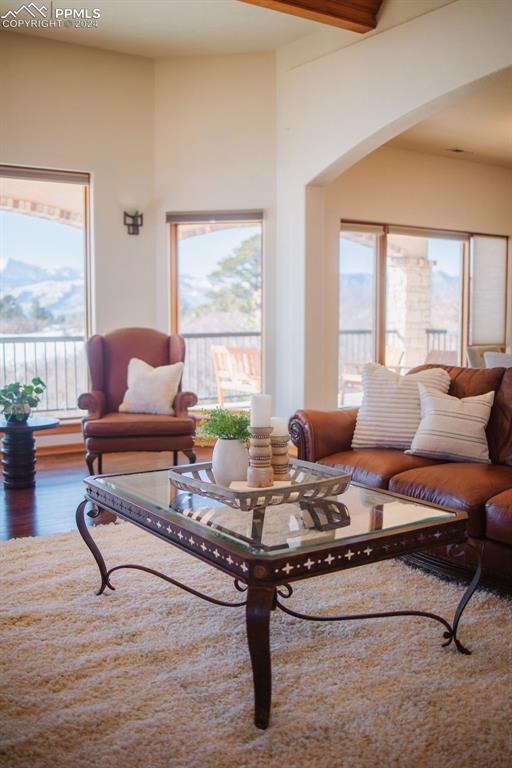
178	27
157	28
480	124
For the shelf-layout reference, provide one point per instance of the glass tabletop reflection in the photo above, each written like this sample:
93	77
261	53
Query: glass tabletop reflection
359	513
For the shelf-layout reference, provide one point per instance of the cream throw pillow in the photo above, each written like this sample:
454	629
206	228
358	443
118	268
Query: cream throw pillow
452	428
390	412
151	390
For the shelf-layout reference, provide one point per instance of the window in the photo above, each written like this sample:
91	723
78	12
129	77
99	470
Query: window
423	299
488	279
43	267
411	296
357	309
216	296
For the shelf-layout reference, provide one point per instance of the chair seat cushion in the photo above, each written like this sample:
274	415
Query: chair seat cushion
375	466
460	486
138	424
499	518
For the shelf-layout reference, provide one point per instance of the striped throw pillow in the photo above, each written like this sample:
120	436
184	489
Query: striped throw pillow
390	412
452	428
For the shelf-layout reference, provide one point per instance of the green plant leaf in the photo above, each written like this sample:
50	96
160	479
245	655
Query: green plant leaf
21	394
226	425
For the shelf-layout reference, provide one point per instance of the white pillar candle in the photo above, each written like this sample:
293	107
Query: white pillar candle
261	408
279	426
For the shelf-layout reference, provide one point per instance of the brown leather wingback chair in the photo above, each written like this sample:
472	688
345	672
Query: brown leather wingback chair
108	431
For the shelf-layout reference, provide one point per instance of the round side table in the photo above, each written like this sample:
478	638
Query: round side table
18	449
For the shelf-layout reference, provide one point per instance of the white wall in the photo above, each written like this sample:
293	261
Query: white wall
398	186
332	112
77	108
237	132
215	150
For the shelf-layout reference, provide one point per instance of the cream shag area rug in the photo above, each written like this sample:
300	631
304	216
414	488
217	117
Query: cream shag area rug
151	676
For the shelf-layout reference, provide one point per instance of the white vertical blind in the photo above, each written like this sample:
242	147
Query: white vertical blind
488	290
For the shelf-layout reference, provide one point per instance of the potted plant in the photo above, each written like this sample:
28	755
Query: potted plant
17	400
230	458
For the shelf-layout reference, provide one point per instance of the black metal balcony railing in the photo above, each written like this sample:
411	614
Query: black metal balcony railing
60	361
441	339
356	345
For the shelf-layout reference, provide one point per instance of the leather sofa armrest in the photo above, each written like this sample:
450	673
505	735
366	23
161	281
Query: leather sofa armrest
182	402
94	402
322	433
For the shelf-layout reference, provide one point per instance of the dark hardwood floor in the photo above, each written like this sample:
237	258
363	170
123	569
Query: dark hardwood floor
50	506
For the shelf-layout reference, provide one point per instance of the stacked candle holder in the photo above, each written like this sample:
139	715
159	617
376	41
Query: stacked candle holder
259	474
279	439
268	445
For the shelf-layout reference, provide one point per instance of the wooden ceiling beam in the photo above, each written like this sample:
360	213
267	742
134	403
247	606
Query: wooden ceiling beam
355	15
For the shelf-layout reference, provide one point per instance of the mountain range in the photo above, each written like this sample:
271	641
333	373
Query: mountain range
60	290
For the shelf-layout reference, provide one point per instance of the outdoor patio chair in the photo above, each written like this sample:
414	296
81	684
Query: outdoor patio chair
237	369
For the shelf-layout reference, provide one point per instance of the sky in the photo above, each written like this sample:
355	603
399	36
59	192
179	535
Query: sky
199	255
40	241
358	258
53	245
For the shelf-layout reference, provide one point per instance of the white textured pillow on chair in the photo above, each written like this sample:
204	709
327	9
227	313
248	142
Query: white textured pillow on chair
151	390
452	428
390	412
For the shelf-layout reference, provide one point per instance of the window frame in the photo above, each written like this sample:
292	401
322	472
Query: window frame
82	178
465	281
205	217
174	220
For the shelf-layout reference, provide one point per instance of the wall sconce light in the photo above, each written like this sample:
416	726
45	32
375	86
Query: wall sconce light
133	221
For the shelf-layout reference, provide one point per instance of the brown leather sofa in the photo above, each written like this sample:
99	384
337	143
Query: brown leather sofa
484	490
108	431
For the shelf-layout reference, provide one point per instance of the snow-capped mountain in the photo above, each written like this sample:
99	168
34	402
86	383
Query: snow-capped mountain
58	290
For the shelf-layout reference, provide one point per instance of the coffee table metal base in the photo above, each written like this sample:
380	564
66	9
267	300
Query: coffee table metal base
260	601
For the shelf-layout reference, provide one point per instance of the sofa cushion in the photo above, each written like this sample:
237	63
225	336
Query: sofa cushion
375	466
469	382
453	428
459	486
498	512
390	412
499	430
133	424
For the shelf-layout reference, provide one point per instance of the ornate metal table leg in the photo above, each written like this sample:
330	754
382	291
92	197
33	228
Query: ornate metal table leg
86	536
466	597
260	601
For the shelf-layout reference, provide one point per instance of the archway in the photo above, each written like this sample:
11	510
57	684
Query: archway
390	82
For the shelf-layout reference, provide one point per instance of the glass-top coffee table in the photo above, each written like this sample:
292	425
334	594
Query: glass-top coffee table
266	550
